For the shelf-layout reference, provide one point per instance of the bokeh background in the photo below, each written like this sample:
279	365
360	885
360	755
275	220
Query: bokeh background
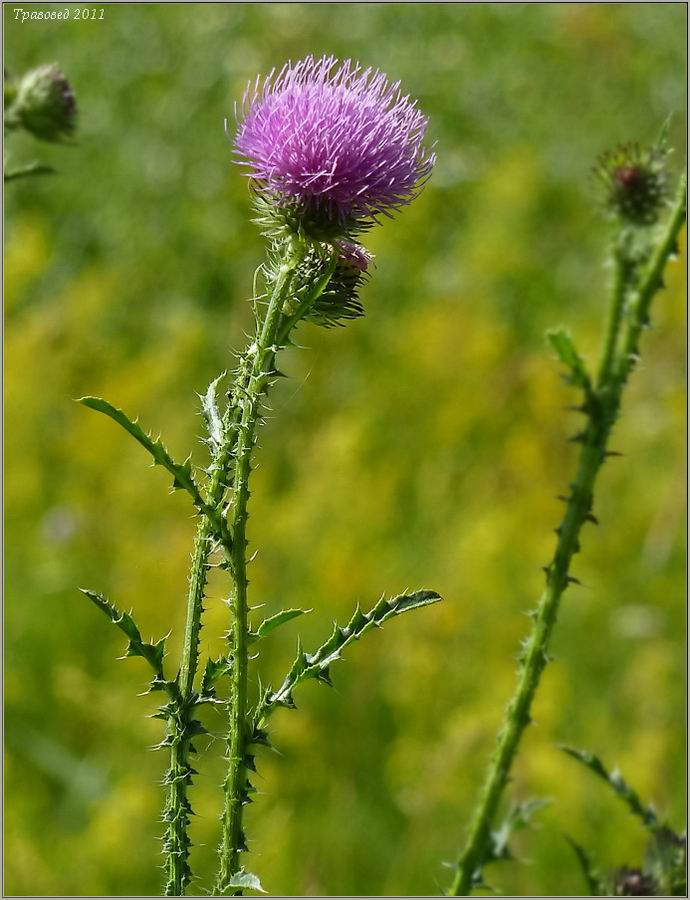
422	446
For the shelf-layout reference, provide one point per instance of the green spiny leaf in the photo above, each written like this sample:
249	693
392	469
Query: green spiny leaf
619	785
182	474
123	620
213	670
152	653
34	168
316	665
518	817
564	347
245	881
214	422
274	621
595	886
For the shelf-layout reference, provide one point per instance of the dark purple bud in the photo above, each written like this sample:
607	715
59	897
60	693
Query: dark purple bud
634	883
635	181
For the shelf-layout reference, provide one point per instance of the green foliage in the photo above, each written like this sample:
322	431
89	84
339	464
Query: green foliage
245	881
274	621
317	664
595	886
182	474
183	477
152	653
214	424
213	670
518	817
27	171
562	344
666	862
619	785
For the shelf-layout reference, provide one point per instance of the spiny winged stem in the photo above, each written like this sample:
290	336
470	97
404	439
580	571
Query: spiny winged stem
178	807
181	725
231	439
628	316
212	532
270	334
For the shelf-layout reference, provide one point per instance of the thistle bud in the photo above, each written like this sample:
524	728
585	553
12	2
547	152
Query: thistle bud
634	883
45	104
635	181
340	301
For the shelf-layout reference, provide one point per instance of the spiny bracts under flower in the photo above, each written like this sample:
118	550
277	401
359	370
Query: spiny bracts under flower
635	181
333	141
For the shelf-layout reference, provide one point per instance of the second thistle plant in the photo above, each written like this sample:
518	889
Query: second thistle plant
329	149
635	181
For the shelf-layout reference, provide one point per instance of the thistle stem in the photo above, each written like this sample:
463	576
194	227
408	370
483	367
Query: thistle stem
263	352
603	404
197	575
624	272
651	282
178	808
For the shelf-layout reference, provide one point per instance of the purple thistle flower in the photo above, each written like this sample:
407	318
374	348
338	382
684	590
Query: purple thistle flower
336	141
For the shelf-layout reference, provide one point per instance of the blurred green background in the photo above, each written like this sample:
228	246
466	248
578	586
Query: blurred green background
422	446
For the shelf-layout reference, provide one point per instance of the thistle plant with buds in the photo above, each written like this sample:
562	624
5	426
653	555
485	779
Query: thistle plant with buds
636	195
329	149
42	103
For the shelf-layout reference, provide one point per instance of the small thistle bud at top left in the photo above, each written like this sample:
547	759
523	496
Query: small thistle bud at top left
44	104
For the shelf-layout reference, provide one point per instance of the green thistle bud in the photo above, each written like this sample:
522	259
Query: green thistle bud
635	180
340	301
44	104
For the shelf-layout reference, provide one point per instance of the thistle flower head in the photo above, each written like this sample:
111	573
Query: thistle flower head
44	104
635	182
333	143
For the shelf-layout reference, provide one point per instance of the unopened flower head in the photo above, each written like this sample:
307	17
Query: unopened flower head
635	181
45	104
353	255
337	142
